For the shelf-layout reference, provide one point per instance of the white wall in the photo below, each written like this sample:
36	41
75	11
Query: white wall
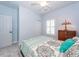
70	13
29	23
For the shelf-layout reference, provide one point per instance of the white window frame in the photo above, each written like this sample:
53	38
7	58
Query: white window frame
50	27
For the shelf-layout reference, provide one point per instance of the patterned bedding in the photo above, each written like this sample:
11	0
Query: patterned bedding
44	46
41	46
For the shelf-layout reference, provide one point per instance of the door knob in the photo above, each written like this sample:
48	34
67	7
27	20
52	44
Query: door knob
10	32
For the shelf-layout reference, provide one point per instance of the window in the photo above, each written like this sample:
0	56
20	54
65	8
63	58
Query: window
50	27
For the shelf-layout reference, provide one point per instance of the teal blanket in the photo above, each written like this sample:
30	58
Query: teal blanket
66	45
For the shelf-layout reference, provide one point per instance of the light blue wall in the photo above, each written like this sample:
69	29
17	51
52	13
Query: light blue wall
6	10
29	23
69	12
26	23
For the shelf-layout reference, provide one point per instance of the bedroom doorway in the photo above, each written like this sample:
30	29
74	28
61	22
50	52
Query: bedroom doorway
5	30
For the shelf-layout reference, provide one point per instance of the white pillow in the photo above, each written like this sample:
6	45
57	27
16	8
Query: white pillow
75	38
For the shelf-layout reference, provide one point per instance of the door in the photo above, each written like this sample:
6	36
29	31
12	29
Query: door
5	30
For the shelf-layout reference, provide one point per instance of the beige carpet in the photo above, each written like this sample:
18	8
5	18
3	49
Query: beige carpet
10	51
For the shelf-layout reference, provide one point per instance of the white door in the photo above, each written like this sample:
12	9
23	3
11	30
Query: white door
5	30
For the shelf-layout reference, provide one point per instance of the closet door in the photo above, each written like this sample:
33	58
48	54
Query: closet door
5	30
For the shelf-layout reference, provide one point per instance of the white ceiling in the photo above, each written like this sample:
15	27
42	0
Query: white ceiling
34	6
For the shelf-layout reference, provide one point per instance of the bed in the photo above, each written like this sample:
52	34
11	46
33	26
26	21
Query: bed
44	46
40	46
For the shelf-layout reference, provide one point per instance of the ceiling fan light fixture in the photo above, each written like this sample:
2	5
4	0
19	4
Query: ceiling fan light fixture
43	3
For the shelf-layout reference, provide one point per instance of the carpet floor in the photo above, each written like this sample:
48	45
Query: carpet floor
10	51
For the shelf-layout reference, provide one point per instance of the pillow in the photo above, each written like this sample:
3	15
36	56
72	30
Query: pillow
76	38
66	44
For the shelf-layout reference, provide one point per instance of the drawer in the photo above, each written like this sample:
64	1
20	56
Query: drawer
71	33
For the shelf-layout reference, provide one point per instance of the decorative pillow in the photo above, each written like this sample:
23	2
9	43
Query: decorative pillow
76	38
66	44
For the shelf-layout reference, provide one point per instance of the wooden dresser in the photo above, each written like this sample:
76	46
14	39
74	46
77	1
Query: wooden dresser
65	34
